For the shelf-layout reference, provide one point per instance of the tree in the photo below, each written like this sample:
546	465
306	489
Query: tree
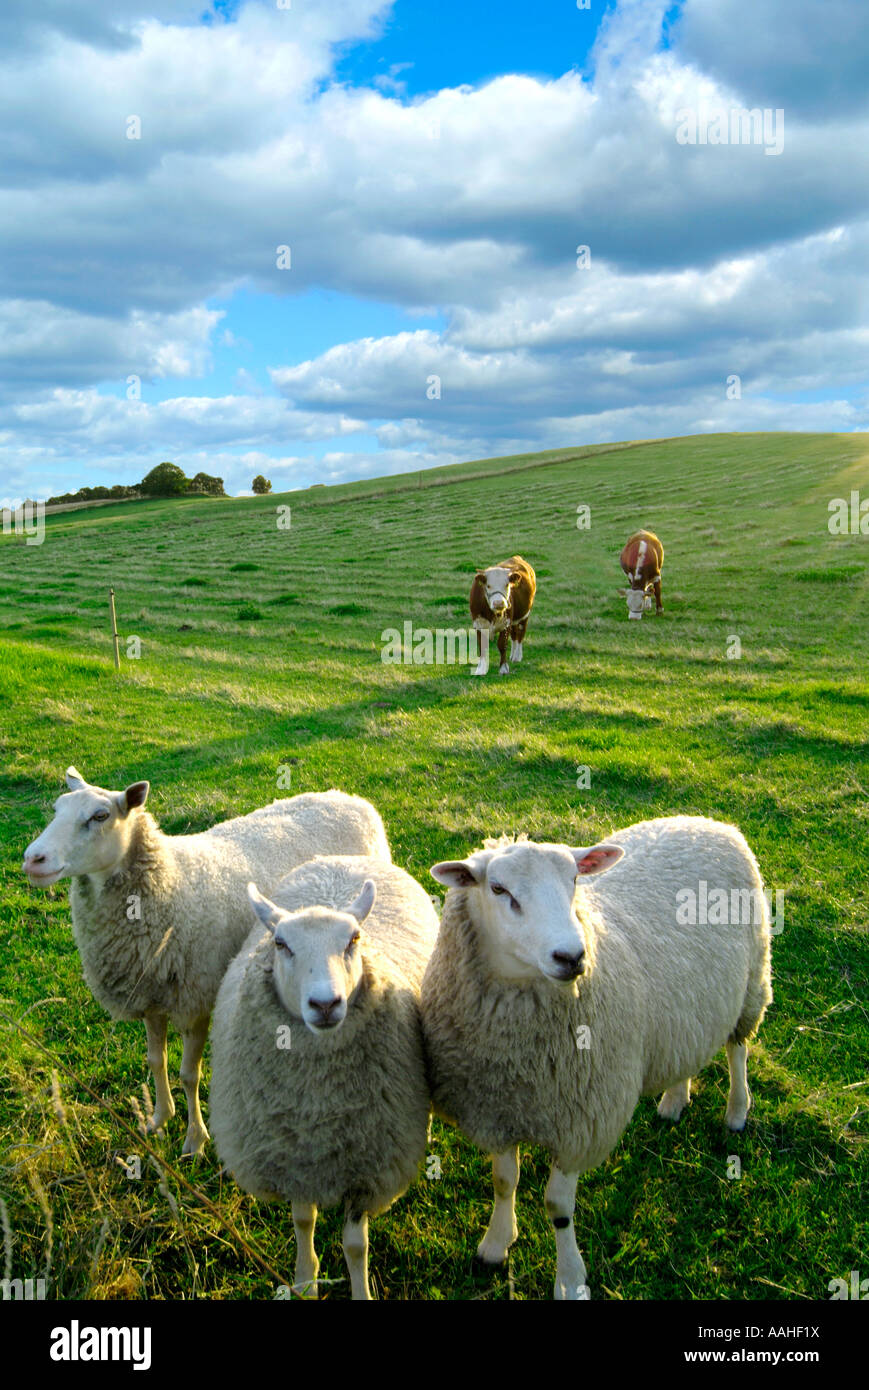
261	485
166	480
204	482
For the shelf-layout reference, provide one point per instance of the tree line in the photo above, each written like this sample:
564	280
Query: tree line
166	480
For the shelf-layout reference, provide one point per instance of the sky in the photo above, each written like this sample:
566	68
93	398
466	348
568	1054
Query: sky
333	241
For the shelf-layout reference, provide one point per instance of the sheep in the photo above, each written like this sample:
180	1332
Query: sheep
319	1094
158	918
550	1005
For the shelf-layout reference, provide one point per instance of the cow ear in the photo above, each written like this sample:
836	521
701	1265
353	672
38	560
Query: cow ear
515	577
480	577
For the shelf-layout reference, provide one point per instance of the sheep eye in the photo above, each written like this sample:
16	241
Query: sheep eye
100	815
497	889
352	944
282	946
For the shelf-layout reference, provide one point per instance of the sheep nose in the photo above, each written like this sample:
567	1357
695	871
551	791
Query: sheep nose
325	1009
569	965
30	859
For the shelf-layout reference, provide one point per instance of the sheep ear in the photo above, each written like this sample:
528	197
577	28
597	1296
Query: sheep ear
74	780
597	859
268	912
136	794
455	873
364	903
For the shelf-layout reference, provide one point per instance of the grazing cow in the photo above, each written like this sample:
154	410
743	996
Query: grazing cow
501	599
642	560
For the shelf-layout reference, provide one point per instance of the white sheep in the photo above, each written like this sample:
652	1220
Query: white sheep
550	1004
319	1094
158	918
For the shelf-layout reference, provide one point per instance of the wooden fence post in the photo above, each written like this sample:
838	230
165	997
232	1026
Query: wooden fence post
115	630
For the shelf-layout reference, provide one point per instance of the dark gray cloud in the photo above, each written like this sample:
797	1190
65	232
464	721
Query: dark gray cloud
809	56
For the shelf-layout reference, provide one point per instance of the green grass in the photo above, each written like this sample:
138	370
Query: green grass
775	741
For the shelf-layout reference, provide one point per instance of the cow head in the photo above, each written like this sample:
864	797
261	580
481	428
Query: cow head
638	601
497	582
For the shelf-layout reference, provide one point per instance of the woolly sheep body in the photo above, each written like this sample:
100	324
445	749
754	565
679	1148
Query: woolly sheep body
196	887
322	1121
659	999
157	918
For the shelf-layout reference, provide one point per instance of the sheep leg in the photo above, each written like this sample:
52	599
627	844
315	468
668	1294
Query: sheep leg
560	1200
502	1229
673	1102
356	1254
191	1069
164	1107
307	1264
739	1098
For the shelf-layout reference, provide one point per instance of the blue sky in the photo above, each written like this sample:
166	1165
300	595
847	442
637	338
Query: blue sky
434	170
427	47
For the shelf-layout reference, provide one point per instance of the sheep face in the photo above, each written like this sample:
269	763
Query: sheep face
89	833
318	962
524	900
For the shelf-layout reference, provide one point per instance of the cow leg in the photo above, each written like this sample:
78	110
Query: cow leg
482	653
518	635
660	607
503	669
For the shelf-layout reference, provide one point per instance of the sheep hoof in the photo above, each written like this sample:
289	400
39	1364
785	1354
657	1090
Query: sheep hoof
309	1290
673	1102
481	1266
195	1142
571	1293
493	1253
736	1120
159	1120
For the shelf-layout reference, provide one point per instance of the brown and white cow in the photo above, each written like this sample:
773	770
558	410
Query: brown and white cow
642	560
501	599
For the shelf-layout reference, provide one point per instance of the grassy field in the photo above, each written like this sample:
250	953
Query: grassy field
261	652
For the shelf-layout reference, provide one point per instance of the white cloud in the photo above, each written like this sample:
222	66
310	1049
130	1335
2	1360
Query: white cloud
705	260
